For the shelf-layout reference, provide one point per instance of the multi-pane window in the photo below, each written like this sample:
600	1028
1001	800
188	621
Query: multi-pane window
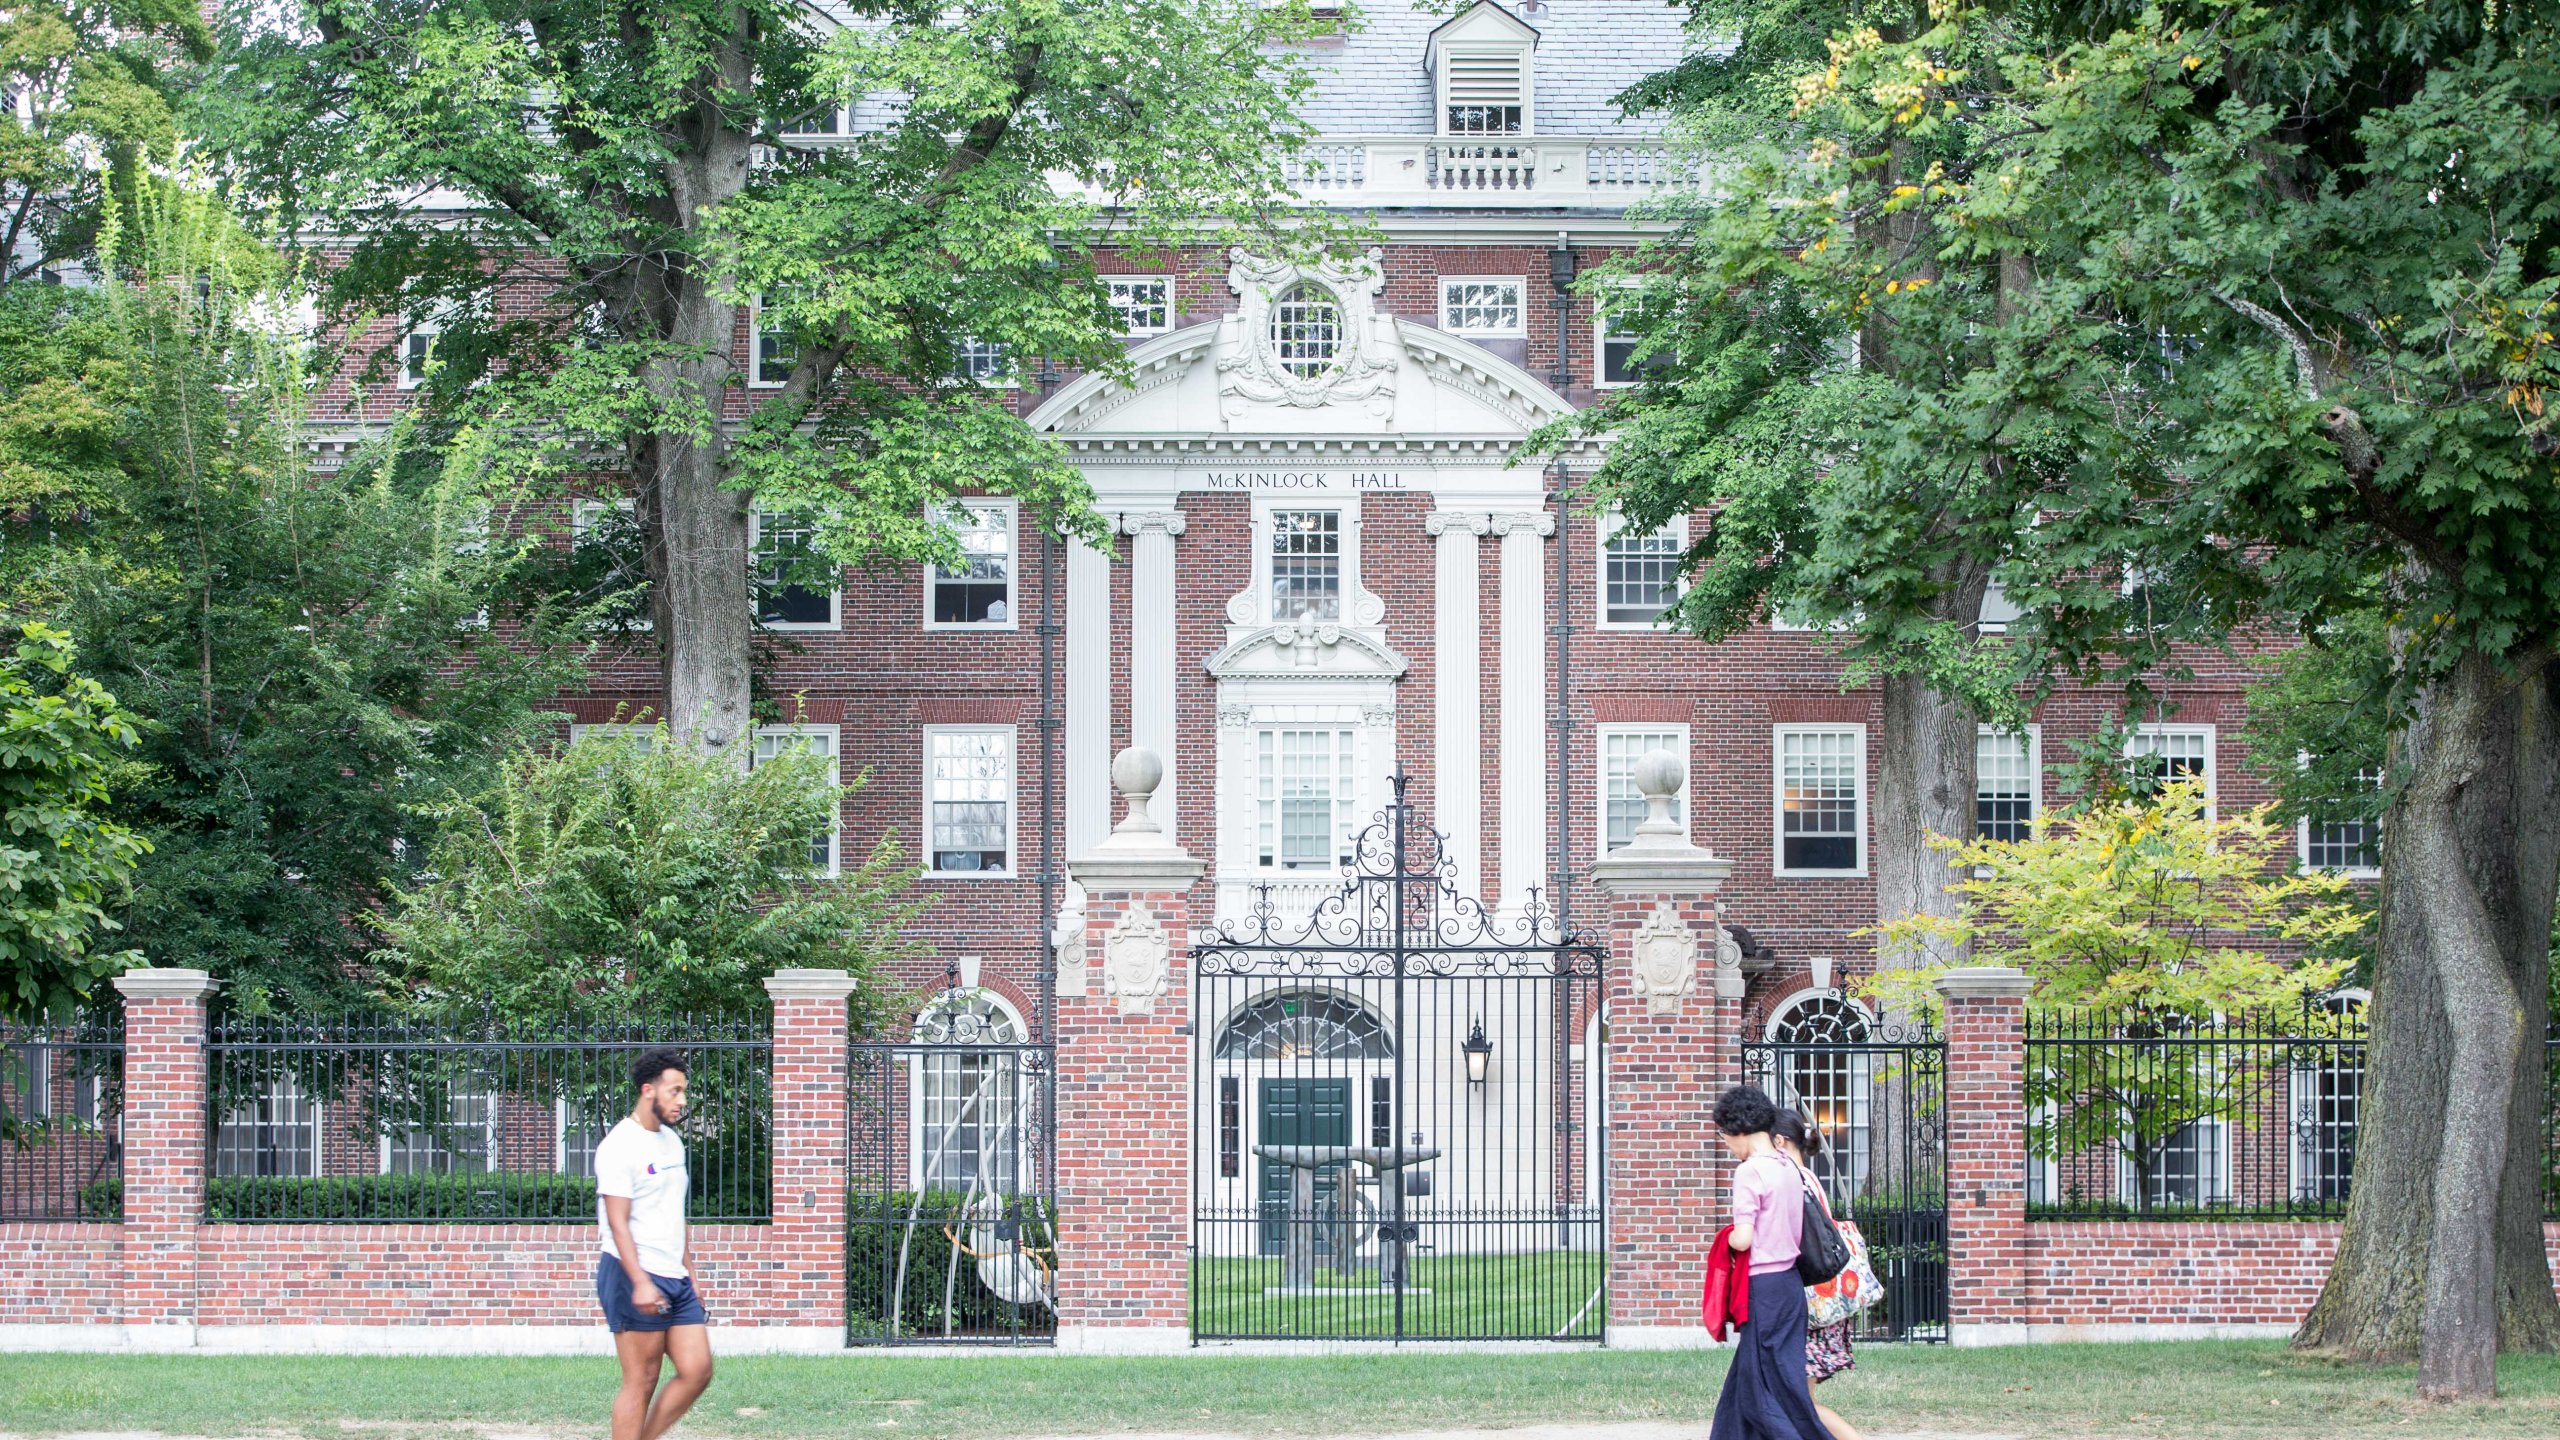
582	1129
980	591
1998	610
1144	303
417	353
770	345
782	548
773	740
972	1100
2328	1102
1828	1083
2004	785
2162	753
982	361
1306	565
969	800
1624	808
276	1132
605	555
828	120
1303	798
2352	845
1481	307
1486	92
1306	331
458	1144
1639	574
2190	1166
1230	1126
1617	348
1821	783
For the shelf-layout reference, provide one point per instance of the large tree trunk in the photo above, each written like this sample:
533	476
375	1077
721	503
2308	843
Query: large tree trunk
1924	787
2442	1255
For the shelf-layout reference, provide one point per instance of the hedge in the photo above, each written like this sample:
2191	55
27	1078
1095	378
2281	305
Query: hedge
876	1226
502	1197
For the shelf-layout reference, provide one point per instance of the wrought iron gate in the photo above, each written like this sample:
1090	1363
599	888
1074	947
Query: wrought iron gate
1393	1111
1876	1092
950	1222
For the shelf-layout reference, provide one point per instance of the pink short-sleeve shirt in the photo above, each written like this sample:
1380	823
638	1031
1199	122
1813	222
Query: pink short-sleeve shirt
1768	1198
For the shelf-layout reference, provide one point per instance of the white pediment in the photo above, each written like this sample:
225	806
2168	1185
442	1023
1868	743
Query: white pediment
1248	376
1307	650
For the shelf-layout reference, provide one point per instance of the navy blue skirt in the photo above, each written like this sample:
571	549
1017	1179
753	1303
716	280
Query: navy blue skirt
1765	1395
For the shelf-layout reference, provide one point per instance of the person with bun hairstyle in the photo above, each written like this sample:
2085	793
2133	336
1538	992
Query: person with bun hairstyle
1826	1350
1765	1395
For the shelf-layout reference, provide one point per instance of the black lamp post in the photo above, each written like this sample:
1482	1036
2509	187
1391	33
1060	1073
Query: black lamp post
1479	1052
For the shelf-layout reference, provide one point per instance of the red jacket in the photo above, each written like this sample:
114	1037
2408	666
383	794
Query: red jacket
1728	1297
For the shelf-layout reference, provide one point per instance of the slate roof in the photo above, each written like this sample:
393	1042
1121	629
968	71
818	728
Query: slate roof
1588	51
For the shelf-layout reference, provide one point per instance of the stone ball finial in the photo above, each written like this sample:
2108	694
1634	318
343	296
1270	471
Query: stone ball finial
1659	772
1135	773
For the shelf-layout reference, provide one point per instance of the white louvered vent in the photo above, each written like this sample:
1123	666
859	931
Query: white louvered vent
1487	92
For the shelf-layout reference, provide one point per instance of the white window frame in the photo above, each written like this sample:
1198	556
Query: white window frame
488	1139
1983	623
1011	510
1527	57
1778	797
2212	756
2304	1169
313	1109
1114	284
1851	1147
560	1131
840	117
835	592
1012	802
2035	772
582	514
755	350
2302	842
1610	527
1022	1095
2213	1143
1600	341
1266	531
1519	305
643	733
1344	787
1600	757
834	736
1006	377
429	331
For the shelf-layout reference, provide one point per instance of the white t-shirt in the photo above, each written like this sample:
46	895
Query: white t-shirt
645	1167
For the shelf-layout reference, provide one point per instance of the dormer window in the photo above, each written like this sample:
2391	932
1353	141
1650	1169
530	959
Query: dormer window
1481	66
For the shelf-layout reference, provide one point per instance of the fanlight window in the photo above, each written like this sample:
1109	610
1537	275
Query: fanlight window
1306	331
968	1017
1305	1025
1829	1087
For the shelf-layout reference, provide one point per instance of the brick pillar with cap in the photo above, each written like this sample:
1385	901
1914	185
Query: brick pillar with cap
1674	1015
1123	1084
164	1152
809	1145
1986	1148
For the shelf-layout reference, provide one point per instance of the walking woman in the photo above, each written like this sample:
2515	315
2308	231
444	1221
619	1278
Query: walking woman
1826	1350
1765	1394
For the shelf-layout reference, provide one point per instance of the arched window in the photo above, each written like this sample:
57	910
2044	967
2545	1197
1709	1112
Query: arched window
1825	1077
1291	1025
973	1094
1306	331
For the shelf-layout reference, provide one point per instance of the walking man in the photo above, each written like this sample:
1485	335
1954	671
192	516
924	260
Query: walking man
642	1279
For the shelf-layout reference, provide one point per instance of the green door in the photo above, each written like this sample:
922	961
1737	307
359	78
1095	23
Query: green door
1299	1112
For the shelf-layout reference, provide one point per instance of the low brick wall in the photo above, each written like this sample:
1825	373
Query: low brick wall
2220	1275
62	1274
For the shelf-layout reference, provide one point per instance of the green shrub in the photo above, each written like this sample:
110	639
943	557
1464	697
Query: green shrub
876	1227
503	1197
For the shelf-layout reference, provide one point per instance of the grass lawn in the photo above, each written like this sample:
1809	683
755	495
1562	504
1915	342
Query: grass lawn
2177	1392
1461	1297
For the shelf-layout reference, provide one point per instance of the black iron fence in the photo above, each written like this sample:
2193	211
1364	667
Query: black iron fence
2160	1116
61	1119
950	1228
476	1118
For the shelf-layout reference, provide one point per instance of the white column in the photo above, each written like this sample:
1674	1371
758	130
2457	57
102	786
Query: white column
1457	676
1088	698
1523	750
1151	633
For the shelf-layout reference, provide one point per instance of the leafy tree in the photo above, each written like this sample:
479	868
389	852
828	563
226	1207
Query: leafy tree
63	862
2330	219
308	653
2146	916
1833	369
95	83
634	176
629	875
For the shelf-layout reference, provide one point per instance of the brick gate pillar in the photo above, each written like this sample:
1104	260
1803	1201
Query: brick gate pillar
1673	1046
1986	1140
808	1173
165	1130
1124	1085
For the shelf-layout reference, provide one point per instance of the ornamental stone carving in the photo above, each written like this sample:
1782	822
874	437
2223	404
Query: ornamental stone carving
1137	964
1140	522
1340	349
1464	522
1665	955
1729	981
1378	716
1067	938
1235	716
1536	522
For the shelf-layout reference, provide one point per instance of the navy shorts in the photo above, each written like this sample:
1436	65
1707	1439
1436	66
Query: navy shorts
613	1292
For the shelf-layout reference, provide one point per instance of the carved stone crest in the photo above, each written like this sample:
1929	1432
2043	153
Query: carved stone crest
1329	299
1068	938
1137	961
1665	954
